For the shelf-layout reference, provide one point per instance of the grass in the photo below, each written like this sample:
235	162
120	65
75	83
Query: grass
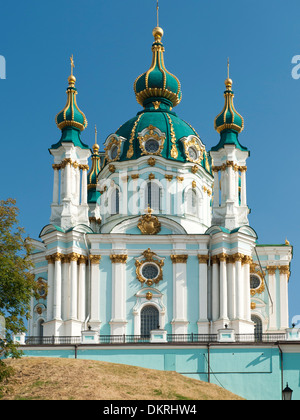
41	378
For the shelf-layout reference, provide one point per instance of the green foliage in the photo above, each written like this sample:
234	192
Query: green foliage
17	284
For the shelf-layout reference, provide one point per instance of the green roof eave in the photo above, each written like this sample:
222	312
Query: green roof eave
70	135
229	137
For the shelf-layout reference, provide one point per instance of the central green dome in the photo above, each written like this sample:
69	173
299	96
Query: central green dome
157	84
157	130
162	125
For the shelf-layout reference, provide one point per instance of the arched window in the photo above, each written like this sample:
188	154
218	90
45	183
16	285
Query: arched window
153	196
191	202
115	201
149	319
258	330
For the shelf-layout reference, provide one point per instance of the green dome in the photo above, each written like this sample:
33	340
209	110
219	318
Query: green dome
157	130
172	134
229	118
70	120
70	115
157	84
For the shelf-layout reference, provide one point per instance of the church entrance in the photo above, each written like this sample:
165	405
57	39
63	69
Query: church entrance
149	320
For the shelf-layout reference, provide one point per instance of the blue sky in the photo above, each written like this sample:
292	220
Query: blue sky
111	42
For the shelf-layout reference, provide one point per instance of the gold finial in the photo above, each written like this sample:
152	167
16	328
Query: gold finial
96	133
228	68
72	64
96	145
72	78
228	81
149	210
287	242
157	32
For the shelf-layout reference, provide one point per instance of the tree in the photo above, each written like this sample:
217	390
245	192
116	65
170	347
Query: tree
17	284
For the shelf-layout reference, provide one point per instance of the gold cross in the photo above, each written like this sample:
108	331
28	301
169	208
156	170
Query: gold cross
228	65
96	133
72	64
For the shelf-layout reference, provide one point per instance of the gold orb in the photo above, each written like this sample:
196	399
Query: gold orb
158	33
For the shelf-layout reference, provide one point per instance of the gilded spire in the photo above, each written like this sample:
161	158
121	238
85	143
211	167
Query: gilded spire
158	84
71	115
96	145
229	118
95	169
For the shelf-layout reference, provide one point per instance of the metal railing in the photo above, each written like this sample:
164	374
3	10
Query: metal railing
52	340
259	338
140	339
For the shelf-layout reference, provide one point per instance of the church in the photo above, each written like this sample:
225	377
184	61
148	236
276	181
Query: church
153	232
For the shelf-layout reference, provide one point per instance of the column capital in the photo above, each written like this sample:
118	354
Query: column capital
74	256
82	259
222	257
285	269
57	256
247	259
271	269
238	257
177	259
50	259
118	258
95	259
203	259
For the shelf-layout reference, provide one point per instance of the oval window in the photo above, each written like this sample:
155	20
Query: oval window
114	152
151	146
150	271
193	155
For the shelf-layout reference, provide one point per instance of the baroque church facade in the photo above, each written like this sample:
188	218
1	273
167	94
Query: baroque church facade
153	232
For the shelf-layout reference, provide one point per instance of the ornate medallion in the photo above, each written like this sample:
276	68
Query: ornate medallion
149	268
149	224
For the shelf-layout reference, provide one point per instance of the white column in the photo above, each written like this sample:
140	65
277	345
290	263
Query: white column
272	289
223	287
179	321
65	312
203	288
62	183
230	183
82	289
57	287
247	298
68	180
231	288
243	187
50	294
237	179
216	189
77	172
284	272
84	184
56	185
73	286
239	287
95	292
118	320
215	289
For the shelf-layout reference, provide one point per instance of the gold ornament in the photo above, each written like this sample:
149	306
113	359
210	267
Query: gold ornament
148	224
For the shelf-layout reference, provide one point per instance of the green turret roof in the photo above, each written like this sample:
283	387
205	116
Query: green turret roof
229	123
71	120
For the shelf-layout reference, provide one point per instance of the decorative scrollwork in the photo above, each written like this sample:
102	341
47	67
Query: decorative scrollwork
149	258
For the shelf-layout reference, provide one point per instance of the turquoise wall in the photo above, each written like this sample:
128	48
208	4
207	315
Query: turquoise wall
251	372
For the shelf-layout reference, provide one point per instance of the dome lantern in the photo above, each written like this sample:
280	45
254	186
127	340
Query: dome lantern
157	86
